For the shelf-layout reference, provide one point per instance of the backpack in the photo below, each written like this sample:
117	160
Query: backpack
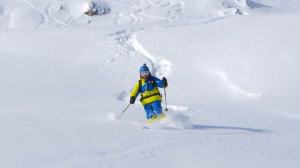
154	85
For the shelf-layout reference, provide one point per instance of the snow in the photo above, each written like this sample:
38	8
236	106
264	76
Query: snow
232	68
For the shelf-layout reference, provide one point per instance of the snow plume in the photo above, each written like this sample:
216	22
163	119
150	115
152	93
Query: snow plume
173	120
111	116
179	121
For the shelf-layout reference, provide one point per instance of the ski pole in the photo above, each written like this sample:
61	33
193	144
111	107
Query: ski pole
123	111
166	99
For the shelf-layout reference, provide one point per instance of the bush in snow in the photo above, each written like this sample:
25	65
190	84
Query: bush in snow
96	8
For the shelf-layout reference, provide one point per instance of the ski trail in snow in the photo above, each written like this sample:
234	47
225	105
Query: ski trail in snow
135	10
138	47
51	15
44	18
160	67
127	41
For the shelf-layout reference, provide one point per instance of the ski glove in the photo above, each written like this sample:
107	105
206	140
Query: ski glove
132	100
165	82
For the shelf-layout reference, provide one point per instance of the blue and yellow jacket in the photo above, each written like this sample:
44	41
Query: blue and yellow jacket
149	90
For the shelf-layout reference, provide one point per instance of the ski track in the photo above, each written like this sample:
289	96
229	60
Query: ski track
132	13
44	18
56	20
46	14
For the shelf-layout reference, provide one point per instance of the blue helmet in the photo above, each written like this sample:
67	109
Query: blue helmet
144	68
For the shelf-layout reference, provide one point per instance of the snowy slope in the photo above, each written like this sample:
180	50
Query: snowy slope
232	66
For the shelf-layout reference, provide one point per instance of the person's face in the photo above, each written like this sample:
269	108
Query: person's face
145	74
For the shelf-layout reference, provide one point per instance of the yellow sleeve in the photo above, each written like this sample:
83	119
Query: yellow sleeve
135	90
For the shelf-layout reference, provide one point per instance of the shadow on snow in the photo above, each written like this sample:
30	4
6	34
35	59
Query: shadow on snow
208	127
257	5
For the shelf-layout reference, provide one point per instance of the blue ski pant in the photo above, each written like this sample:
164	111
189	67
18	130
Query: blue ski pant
153	110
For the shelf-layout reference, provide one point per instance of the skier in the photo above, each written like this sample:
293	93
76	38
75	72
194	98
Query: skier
150	97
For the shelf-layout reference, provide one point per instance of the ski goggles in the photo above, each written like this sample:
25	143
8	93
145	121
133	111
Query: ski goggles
145	73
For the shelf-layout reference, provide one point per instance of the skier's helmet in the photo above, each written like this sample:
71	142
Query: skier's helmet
144	71
144	68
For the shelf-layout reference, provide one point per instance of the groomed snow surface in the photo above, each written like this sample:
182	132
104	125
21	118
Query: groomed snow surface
233	68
